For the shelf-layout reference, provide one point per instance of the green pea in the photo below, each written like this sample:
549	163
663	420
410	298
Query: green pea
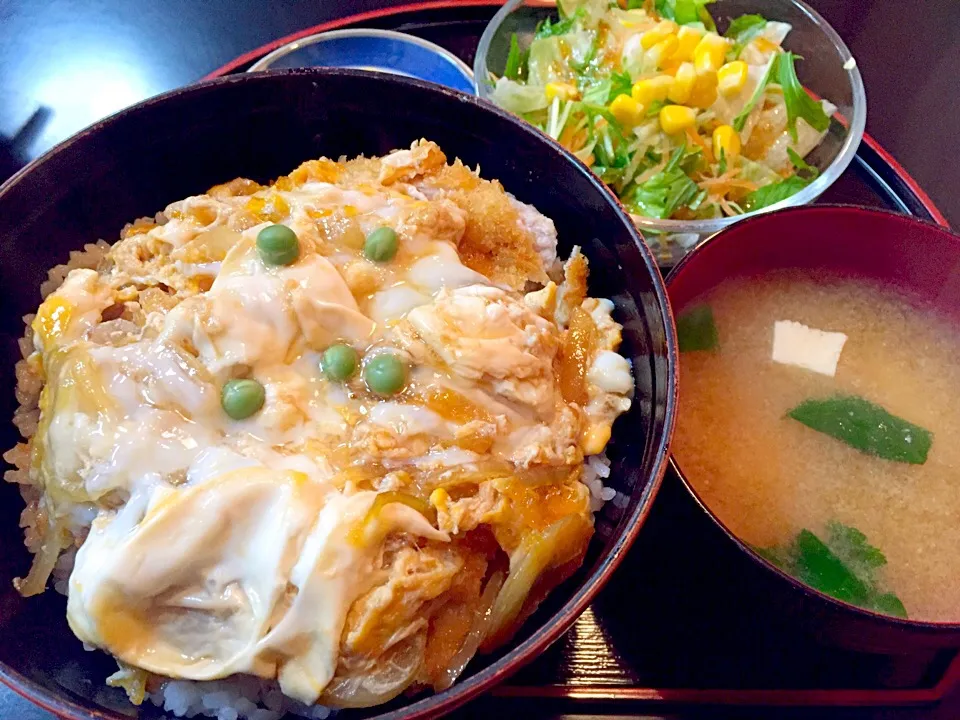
241	398
278	245
339	362
381	245
385	373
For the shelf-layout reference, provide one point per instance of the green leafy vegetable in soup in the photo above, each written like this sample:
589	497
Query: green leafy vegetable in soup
844	567
681	121
866	427
696	329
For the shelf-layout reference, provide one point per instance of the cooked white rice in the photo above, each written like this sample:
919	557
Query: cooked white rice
595	471
241	696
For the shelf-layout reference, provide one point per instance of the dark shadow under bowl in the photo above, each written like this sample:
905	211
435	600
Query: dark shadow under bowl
918	259
261	126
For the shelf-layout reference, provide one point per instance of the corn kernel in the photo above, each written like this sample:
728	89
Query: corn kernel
626	110
564	91
726	143
682	84
677	118
657	34
710	52
732	77
659	55
687	40
704	91
648	91
670	67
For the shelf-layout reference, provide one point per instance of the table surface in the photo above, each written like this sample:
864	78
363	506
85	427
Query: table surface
68	64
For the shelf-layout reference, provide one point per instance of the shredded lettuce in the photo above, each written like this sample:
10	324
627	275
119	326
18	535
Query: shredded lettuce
545	61
756	172
666	192
591	12
604	90
744	29
799	103
547	29
741	119
687	12
583	46
517	98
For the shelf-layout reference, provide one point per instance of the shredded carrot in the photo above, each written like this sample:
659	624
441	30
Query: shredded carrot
694	137
566	137
717	186
722	185
580	139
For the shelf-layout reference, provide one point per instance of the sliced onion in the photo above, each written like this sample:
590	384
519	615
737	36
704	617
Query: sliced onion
393	673
535	554
210	246
360	532
472	642
132	679
43	563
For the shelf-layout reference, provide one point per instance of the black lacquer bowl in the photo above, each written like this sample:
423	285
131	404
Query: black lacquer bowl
261	126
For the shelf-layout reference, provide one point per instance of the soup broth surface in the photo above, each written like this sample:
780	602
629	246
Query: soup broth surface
768	476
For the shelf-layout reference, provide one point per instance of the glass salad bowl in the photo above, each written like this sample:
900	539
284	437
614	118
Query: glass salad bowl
827	70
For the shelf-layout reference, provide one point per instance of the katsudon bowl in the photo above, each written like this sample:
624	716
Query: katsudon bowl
261	126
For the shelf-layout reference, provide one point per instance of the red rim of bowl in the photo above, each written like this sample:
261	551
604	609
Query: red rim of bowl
693	257
555	626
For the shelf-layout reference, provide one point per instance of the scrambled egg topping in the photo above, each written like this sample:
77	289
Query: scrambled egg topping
344	542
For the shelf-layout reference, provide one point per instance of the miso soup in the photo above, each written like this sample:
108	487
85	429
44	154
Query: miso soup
848	481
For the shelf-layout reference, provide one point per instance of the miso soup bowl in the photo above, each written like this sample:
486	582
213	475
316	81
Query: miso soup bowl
916	258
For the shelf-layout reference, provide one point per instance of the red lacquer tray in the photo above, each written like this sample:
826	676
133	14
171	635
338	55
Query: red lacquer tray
654	637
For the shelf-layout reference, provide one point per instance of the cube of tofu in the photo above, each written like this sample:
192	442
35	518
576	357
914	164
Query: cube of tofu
806	347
